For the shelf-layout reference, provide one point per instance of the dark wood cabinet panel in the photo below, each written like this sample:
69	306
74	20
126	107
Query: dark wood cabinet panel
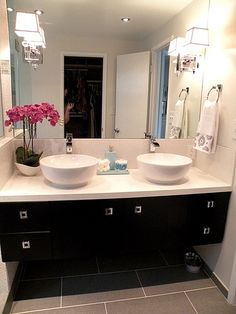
72	228
23	216
67	229
26	246
207	215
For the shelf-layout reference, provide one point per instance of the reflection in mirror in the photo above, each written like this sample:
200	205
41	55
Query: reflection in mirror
83	79
65	32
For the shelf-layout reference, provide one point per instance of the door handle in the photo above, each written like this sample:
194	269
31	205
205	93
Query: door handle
23	214
206	230
210	204
25	245
138	209
109	211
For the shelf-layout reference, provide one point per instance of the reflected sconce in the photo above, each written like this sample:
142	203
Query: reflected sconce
190	49
176	46
27	26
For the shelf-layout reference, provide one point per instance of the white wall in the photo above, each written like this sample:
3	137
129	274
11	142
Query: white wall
220	68
46	80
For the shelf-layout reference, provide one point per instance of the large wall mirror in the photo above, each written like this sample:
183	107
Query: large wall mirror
82	36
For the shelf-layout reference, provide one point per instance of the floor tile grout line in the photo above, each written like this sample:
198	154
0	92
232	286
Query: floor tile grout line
59	308
140	283
105	273
191	303
61	292
112	301
105	307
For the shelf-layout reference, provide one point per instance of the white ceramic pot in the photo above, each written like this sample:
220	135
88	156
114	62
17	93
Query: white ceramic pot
27	170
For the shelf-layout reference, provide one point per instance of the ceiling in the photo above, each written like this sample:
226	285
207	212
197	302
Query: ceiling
102	18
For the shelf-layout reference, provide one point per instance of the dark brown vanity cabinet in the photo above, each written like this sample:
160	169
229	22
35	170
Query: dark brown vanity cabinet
207	215
68	229
25	231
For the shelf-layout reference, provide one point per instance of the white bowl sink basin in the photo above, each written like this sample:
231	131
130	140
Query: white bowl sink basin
69	169
163	168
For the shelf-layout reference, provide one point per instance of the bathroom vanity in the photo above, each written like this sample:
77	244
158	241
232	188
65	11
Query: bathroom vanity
113	213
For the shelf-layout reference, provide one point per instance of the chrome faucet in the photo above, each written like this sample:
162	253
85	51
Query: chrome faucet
69	137
153	142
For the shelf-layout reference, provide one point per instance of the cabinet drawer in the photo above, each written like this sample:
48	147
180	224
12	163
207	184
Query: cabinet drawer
207	215
17	217
26	246
210	201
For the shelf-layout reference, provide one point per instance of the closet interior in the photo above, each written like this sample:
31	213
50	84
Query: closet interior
83	79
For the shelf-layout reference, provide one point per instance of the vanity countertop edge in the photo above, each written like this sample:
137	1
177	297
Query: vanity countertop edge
20	188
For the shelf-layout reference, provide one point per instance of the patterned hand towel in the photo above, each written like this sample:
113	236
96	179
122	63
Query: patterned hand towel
177	120
207	130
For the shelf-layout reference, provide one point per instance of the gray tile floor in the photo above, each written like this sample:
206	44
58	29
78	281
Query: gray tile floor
150	283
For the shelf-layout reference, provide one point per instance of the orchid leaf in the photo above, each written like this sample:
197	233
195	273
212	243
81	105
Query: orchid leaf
28	158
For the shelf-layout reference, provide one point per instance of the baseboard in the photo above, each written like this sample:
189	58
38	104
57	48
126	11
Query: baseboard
216	280
11	295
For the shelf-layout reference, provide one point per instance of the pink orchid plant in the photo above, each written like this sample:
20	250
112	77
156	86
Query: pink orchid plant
30	115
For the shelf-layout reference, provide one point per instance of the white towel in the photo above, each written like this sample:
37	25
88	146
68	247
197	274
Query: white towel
207	130
185	128
177	119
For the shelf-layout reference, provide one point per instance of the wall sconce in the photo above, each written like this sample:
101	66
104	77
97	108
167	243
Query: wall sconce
27	26
189	49
197	37
176	46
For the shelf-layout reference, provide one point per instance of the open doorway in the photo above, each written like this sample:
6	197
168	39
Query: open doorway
159	92
83	96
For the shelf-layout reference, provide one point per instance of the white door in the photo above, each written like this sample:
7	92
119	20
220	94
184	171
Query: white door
132	82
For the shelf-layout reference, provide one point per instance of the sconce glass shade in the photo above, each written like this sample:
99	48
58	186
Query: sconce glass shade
176	46
27	25
39	40
197	36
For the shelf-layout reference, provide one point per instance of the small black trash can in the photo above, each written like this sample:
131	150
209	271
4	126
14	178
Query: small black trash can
193	262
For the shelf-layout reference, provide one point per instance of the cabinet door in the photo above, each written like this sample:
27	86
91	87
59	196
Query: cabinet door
26	246
110	226
73	228
155	222
23	216
145	223
207	217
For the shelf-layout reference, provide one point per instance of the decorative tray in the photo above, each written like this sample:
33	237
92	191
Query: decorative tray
126	171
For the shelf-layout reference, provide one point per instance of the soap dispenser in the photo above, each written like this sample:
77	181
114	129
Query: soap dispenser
110	154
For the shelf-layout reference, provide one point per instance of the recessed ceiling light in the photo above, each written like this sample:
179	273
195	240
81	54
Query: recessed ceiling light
125	19
38	12
10	9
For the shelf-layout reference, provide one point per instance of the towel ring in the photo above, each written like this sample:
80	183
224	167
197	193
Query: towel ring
218	89
184	90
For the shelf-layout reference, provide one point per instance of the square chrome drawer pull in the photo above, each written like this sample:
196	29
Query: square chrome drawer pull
26	245
210	204
138	209
206	230
23	214
108	211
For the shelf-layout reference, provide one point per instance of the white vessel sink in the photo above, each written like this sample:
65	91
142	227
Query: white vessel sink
69	169
163	168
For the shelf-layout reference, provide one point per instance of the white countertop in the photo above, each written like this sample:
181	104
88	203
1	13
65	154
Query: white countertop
21	188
